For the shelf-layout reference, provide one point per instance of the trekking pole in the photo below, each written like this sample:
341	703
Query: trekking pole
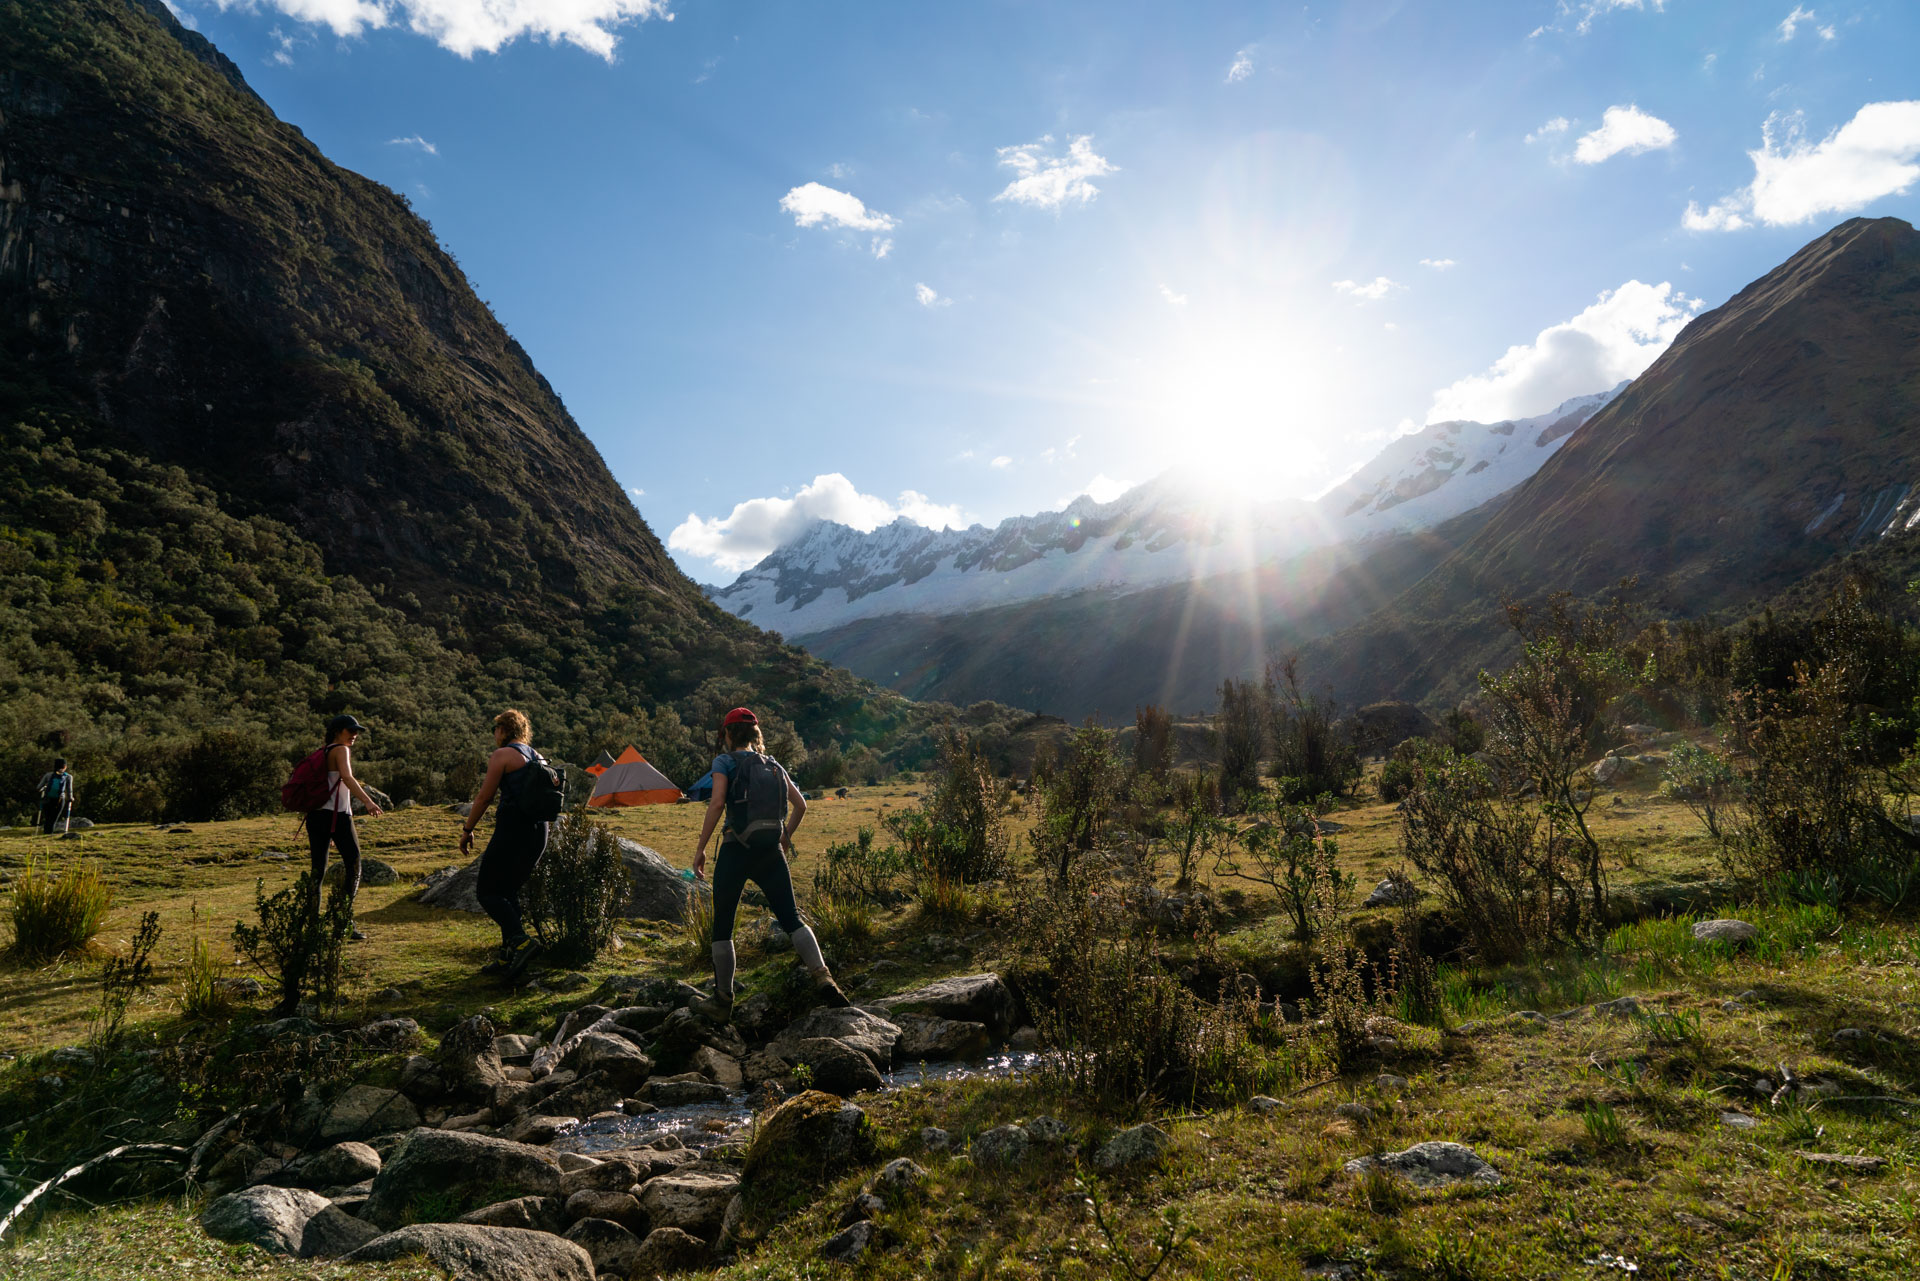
66	823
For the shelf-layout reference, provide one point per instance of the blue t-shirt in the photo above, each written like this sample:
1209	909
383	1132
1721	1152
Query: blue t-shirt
723	768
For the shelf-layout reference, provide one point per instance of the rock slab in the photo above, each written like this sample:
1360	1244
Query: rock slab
456	1172
275	1219
469	1253
1431	1165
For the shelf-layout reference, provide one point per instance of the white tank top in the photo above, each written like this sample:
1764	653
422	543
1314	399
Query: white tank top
338	797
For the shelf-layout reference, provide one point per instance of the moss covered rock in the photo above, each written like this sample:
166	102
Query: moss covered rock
801	1146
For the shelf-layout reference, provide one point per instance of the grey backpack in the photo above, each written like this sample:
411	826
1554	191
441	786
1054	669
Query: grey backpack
756	799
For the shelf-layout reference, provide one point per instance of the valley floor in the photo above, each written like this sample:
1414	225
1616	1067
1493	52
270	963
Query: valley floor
1645	1143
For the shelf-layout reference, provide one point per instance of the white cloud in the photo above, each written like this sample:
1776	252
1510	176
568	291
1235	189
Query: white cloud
1002	462
1795	181
930	297
1617	337
1438	264
882	246
1059	453
1173	299
467	27
636	491
1370	291
1553	128
1242	66
813	205
1624	130
839	172
415	141
1585	12
1049	181
754	528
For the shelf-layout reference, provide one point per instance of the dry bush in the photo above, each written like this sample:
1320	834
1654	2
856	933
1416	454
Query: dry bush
55	915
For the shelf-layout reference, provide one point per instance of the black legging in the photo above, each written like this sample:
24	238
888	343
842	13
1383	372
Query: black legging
326	827
515	846
735	865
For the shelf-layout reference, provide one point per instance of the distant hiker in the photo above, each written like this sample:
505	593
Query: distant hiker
56	797
531	795
331	824
761	808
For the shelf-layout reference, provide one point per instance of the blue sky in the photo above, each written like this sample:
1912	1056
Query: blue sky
966	261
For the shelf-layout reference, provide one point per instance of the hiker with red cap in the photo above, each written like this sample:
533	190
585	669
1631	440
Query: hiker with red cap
758	807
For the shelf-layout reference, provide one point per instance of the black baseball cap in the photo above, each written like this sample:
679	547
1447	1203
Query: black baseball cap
337	723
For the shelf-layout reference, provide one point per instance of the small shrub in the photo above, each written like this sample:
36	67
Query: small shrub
1284	851
960	829
1076	799
122	979
1152	741
1196	829
574	897
298	943
1703	780
1396	776
202	994
944	900
857	869
1312	755
56	915
1239	741
1412	977
1336	970
695	942
1507	872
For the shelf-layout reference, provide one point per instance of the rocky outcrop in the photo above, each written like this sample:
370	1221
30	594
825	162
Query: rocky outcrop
470	1253
454	1172
970	998
275	1219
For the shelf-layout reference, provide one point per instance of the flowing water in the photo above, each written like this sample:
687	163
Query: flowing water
708	1125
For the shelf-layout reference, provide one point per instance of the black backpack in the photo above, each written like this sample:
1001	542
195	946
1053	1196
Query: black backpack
537	792
756	799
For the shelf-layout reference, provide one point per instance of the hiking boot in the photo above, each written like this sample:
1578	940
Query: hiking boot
355	936
497	967
715	1008
522	952
829	992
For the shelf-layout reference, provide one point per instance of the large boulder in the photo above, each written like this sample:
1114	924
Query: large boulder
453	889
333	1232
1141	1145
1725	930
612	1247
693	1200
625	1064
836	1067
659	892
361	1111
967	998
372	871
667	1251
442	1174
340	1166
467	1252
854	1027
534	1213
926	1037
275	1219
1378	728
797	1149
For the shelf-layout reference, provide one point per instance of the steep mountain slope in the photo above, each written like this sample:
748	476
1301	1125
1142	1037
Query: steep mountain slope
1779	432
198	309
1169	531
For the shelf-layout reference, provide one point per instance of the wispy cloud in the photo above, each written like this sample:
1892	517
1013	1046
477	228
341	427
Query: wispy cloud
1002	462
1552	129
1048	180
928	296
1796	181
1624	130
1173	299
467	27
1802	16
1582	14
757	526
1616	338
1242	66
1368	291
1438	264
414	141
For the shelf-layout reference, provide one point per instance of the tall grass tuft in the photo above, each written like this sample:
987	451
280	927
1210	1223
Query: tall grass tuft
843	921
944	900
202	994
695	943
57	914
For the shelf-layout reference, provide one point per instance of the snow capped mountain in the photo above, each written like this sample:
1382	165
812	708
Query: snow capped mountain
1167	530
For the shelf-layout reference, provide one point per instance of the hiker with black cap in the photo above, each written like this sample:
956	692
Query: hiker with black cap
760	808
56	797
332	823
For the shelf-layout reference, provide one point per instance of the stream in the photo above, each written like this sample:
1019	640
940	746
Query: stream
708	1125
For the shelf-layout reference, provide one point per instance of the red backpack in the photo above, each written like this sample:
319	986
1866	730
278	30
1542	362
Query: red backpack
306	788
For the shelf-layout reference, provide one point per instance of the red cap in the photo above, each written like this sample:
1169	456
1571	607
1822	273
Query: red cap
741	716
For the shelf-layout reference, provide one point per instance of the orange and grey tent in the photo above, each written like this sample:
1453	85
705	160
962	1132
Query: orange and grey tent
601	764
631	781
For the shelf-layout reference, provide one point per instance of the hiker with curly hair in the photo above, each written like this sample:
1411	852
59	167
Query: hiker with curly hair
758	808
331	825
519	839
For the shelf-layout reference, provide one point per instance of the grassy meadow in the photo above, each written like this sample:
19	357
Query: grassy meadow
1642	1144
